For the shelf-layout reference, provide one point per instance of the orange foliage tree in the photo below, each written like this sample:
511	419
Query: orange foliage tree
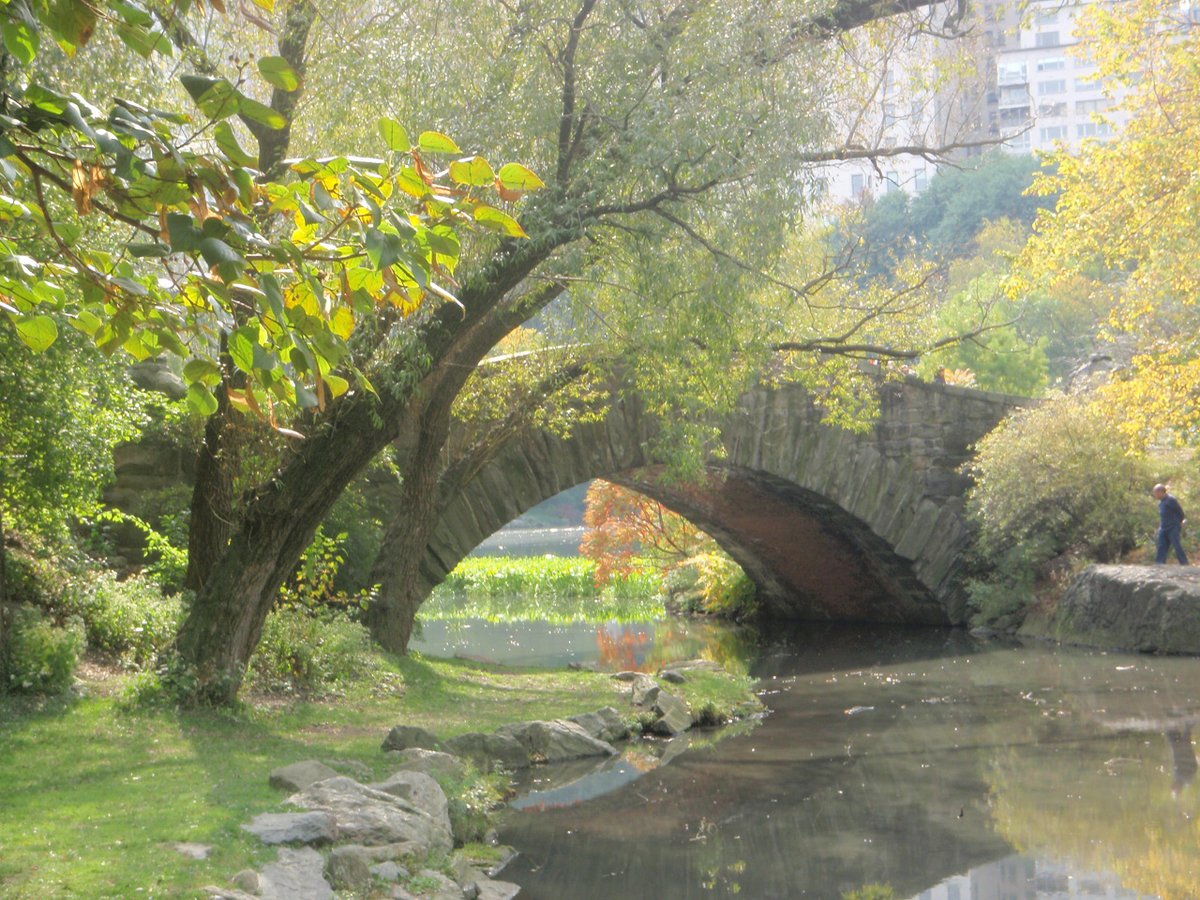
627	530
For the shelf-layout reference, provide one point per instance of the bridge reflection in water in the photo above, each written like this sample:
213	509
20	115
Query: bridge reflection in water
915	759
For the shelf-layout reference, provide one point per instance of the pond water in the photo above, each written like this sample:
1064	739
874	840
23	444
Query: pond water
923	761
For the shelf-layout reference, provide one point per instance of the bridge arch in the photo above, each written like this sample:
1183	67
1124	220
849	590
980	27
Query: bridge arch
829	524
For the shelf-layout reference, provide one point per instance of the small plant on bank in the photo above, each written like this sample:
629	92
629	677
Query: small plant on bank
42	657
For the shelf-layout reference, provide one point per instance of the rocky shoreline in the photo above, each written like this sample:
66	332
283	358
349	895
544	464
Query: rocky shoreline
374	839
1146	609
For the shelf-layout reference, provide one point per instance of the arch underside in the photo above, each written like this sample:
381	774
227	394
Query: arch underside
808	558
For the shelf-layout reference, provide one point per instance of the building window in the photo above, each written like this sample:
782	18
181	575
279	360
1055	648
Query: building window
1093	129
1055	64
1011	73
1018	142
893	181
1087	84
1086	107
1046	39
1055	86
1052	133
856	185
889	115
920	180
1052	110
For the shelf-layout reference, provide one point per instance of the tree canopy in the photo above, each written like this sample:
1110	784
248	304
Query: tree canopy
1128	209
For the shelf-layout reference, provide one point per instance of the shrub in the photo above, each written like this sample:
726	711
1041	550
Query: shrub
130	619
310	653
1053	480
719	588
41	657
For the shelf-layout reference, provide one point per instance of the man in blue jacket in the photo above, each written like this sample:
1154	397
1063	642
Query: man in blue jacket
1170	526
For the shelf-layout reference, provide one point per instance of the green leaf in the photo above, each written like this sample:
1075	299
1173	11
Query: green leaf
144	249
241	348
472	170
145	41
183	233
201	371
227	143
383	248
394	135
201	399
220	256
279	73
261	113
216	97
21	40
516	177
86	322
337	385
37	332
72	23
436	142
490	217
12	208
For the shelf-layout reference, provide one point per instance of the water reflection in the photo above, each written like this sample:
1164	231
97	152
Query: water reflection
610	646
917	760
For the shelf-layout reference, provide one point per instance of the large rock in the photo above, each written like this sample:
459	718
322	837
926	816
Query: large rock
489	751
418	789
557	740
1145	608
604	724
402	737
370	817
674	717
296	875
644	690
293	828
349	868
300	775
431	762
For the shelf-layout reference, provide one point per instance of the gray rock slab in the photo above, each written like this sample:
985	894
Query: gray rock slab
674	717
367	816
249	881
349	868
431	762
489	751
604	724
296	875
389	871
446	888
557	740
299	775
419	789
1144	608
645	689
497	890
294	828
403	737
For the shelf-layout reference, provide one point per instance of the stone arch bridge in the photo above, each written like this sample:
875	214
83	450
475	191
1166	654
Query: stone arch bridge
829	524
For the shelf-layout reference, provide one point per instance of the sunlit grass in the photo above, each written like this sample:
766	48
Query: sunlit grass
93	794
547	588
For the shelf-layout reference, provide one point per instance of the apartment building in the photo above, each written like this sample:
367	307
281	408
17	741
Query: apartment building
1027	92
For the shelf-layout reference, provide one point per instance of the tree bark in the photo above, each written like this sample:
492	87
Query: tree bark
212	496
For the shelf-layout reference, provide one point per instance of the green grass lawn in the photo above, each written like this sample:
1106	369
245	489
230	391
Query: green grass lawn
94	793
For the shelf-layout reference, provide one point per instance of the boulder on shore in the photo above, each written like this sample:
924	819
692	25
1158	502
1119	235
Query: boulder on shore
1151	609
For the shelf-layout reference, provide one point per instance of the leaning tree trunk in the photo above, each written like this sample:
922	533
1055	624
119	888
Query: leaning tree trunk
397	568
225	621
